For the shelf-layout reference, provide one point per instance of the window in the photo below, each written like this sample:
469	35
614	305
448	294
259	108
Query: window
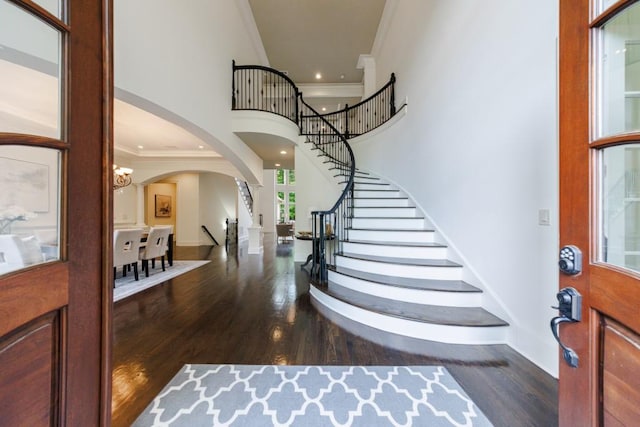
285	195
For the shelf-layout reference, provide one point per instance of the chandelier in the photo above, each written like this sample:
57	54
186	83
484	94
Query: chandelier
121	177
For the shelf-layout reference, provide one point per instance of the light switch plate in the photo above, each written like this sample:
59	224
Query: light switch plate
543	217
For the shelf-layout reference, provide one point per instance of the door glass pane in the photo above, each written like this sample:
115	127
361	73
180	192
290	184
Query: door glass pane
620	206
29	207
30	94
52	6
605	4
619	64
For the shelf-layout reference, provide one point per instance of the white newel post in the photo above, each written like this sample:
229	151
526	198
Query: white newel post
255	231
140	205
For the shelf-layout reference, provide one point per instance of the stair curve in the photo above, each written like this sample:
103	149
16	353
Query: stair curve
394	276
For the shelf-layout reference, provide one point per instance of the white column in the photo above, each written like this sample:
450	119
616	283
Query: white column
255	231
368	63
140	205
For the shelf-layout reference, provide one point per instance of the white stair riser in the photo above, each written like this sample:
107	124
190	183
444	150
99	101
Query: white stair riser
393	236
362	203
418	296
385	212
395	251
401	270
378	194
426	331
388	223
371	186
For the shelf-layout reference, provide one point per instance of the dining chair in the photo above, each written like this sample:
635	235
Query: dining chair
126	246
155	247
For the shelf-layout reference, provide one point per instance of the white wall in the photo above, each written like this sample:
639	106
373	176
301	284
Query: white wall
268	201
218	200
478	147
316	189
125	206
178	55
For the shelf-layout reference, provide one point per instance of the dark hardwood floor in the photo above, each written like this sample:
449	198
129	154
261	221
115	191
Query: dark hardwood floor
255	309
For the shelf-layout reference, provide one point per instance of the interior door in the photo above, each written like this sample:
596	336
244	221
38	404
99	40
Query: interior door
55	127
600	209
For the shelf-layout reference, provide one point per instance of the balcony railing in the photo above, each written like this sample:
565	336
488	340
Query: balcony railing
255	87
362	117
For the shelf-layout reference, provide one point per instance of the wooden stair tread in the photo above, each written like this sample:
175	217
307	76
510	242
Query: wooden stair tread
402	261
359	176
405	244
372	183
405	282
441	315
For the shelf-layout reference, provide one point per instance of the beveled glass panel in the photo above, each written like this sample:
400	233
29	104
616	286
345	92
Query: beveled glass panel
619	74
30	83
29	206
619	238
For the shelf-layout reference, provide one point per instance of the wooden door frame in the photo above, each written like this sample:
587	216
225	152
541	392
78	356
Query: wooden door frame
89	219
575	200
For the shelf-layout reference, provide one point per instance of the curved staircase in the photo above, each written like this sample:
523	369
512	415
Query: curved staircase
392	275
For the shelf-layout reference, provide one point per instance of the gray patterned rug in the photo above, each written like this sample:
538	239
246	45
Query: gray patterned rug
310	396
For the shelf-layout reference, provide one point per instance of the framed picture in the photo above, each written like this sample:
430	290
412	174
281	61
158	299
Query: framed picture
163	206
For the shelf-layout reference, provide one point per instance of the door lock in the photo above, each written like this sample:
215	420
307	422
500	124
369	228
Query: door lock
570	308
570	261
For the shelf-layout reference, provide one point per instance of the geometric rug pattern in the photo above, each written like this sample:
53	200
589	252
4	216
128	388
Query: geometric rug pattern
308	396
127	285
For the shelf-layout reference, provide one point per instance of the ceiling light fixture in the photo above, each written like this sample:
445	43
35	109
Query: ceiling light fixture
324	108
201	146
283	152
121	177
318	76
277	165
140	147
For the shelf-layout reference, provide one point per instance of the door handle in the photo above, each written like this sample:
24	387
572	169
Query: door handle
570	356
570	308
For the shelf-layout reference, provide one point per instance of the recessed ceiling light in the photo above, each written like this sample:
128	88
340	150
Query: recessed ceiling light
324	108
201	146
140	147
342	76
283	152
277	165
318	76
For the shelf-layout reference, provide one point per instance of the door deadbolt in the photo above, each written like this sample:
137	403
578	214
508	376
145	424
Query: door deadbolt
570	261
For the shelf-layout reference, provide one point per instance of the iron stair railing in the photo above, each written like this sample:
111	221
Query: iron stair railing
262	88
329	227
